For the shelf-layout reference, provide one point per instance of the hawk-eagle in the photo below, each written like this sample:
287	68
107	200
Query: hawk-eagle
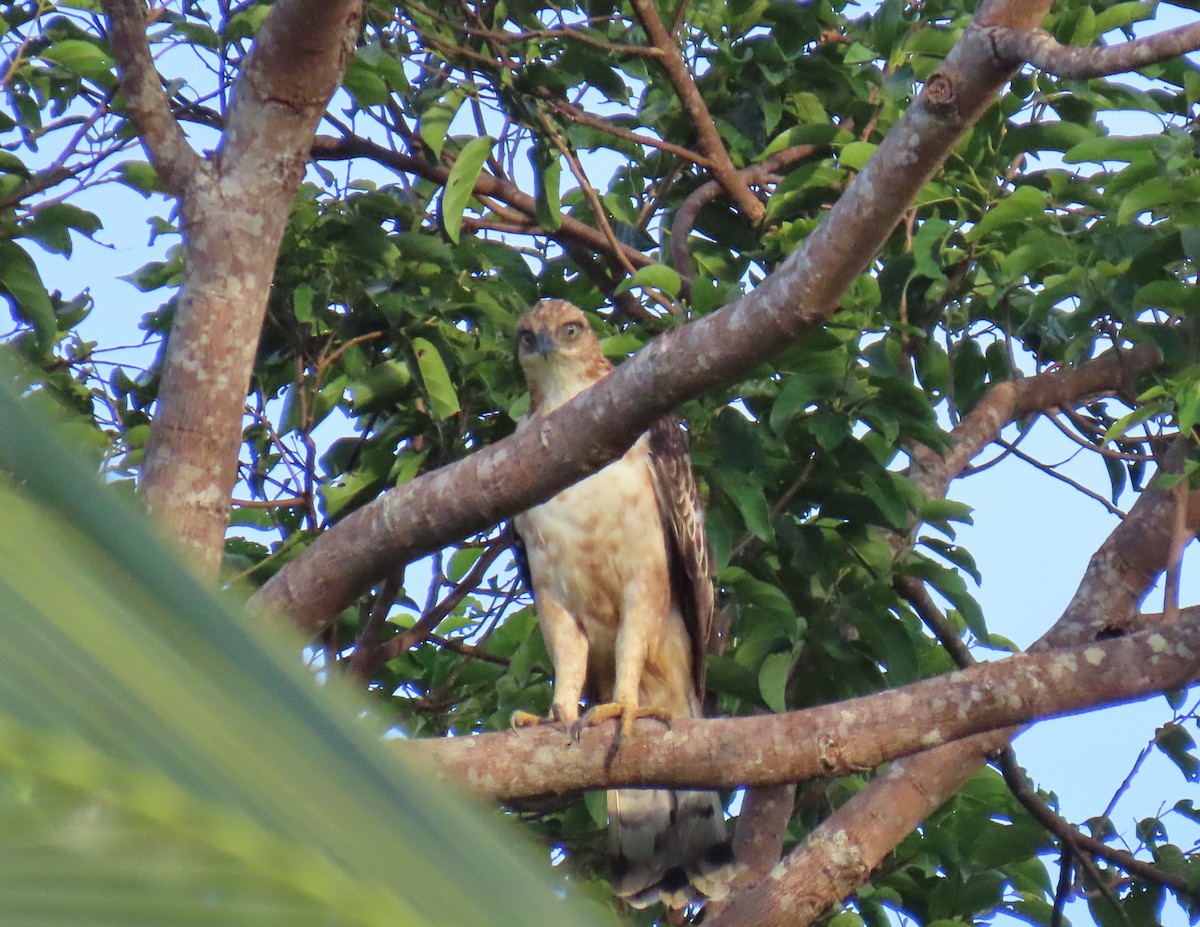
621	576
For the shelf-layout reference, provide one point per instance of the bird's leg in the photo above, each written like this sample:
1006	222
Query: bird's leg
568	648
638	623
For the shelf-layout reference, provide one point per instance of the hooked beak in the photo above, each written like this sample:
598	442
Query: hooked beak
545	346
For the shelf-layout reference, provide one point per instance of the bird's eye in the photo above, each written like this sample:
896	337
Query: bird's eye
526	338
572	330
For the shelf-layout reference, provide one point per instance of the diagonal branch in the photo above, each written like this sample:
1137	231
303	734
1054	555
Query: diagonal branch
755	175
828	740
596	427
1042	51
1069	834
428	622
1074	842
1013	399
166	147
693	104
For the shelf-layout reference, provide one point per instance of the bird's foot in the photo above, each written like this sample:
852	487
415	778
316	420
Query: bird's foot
520	719
558	715
627	714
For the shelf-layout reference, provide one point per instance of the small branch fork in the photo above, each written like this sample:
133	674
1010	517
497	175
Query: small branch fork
173	158
680	76
1017	46
755	175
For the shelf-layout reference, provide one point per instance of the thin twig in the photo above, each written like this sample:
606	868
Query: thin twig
434	616
1050	471
362	664
754	175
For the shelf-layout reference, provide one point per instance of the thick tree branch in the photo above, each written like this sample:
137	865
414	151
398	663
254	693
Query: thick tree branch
829	740
842	852
300	54
762	825
234	213
1042	51
596	427
680	76
1074	842
166	147
1006	402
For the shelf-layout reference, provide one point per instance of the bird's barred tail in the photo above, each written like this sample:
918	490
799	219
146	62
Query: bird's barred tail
670	845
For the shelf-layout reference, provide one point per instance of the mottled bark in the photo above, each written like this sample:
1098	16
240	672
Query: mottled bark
1042	51
829	740
234	209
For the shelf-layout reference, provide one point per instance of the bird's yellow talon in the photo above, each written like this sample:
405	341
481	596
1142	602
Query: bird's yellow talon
628	715
520	719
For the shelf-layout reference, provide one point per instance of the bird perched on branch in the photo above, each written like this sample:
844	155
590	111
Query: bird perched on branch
620	572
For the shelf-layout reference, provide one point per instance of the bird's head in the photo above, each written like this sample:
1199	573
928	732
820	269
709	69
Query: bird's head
559	352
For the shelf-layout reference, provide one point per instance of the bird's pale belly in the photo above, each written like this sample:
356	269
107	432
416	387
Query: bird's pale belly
587	543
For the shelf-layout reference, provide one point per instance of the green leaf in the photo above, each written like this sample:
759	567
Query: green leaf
655	276
547	166
20	280
1180	748
1022	204
858	53
435	122
747	494
1121	15
461	562
177	772
1109	148
891	644
139	176
52	224
855	155
1165	294
364	84
82	58
959	556
461	183
381	386
621	345
773	679
1145	196
951	585
302	303
1127	421
436	378
386	65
